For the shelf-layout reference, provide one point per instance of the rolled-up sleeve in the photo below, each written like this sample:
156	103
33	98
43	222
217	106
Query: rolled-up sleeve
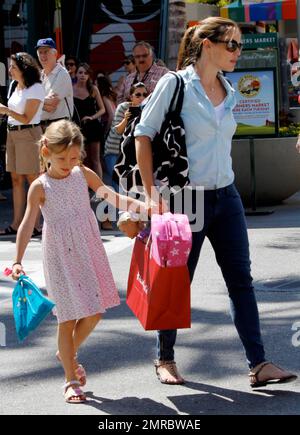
156	108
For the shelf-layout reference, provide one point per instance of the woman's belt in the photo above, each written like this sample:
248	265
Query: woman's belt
21	127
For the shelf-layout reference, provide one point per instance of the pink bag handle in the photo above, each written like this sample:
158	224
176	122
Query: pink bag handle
171	225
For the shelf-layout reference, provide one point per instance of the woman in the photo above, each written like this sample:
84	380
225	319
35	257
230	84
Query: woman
88	109
109	98
23	132
123	114
129	65
71	65
209	126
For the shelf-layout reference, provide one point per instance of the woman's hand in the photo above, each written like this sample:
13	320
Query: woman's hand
17	271
156	204
127	114
87	118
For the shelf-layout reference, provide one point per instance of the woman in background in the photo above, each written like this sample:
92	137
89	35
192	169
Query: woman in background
88	109
24	111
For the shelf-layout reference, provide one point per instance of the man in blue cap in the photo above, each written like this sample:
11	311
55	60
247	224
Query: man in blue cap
57	83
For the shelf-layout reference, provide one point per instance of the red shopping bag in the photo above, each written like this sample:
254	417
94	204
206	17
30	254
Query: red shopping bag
158	296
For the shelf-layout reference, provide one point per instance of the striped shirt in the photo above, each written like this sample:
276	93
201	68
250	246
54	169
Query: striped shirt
112	144
149	79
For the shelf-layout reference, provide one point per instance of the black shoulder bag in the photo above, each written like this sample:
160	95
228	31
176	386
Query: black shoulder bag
170	162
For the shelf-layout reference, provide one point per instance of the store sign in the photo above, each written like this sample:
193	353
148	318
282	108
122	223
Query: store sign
256	108
260	40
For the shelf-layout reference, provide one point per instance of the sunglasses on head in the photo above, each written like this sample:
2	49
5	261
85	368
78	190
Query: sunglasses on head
141	94
70	64
126	62
19	57
231	46
142	56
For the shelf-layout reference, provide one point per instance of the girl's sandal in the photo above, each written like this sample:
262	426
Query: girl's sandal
81	375
73	395
80	372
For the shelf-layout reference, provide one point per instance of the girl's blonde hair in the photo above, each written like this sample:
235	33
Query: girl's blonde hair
58	137
191	44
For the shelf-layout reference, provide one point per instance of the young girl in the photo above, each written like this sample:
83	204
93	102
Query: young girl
77	272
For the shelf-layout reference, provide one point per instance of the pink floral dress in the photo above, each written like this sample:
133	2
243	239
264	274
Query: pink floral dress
77	272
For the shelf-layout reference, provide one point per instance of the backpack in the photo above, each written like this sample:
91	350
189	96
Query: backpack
170	162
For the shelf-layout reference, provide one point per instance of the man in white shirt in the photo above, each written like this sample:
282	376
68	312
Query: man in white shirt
57	83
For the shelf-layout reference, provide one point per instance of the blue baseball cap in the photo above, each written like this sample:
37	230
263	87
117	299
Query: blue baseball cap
46	42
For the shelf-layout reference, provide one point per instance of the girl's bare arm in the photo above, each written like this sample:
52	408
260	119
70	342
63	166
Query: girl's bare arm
118	201
34	199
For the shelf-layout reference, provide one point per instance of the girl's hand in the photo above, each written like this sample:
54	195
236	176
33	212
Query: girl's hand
17	271
298	144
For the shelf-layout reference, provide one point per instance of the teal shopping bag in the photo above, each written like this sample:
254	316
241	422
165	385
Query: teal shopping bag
30	306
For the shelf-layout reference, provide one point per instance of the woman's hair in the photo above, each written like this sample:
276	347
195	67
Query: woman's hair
105	88
58	137
74	58
185	46
29	68
191	44
137	86
89	83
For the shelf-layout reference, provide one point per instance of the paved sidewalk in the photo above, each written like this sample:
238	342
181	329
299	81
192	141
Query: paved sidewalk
118	356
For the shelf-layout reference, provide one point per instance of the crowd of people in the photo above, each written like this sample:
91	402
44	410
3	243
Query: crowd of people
54	92
40	110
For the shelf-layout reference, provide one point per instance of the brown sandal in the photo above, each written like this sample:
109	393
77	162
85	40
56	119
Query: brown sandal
168	368
256	383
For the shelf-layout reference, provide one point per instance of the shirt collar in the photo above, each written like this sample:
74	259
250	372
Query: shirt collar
191	75
55	70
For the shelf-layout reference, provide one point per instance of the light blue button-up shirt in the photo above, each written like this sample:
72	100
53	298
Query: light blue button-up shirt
208	143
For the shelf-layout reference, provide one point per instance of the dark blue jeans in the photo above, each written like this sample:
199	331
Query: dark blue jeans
225	226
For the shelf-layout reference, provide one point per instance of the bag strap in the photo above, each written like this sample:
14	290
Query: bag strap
12	88
178	93
66	101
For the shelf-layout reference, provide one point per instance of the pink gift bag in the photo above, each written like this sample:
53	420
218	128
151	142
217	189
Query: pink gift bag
171	239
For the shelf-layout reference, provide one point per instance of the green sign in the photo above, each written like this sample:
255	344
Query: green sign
259	58
260	40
